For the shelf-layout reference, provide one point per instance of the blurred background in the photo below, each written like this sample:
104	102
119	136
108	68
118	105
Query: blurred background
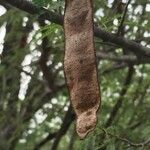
35	111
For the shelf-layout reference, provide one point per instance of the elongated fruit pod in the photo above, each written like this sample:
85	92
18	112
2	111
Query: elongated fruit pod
80	64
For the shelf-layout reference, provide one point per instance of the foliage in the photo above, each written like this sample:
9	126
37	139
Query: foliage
33	96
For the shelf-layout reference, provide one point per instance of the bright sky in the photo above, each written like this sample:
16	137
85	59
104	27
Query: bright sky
2	29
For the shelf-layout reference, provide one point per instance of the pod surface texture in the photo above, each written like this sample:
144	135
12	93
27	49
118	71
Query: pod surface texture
80	64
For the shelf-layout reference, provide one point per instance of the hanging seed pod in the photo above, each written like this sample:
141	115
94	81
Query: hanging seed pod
80	64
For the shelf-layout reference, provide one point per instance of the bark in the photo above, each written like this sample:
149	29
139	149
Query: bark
134	47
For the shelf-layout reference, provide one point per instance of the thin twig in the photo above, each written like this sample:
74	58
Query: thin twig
125	140
123	18
98	32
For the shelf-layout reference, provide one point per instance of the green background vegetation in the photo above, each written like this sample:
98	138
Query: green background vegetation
35	111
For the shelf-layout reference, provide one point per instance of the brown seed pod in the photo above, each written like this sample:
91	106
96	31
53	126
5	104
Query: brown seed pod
80	64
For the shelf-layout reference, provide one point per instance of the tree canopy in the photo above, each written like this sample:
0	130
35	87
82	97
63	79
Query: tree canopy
35	110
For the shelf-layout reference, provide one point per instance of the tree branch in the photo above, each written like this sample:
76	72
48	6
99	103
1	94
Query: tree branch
69	117
123	17
120	100
125	58
44	58
44	141
125	140
55	18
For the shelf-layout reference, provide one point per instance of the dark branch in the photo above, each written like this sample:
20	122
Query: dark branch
114	68
125	58
120	100
44	58
123	18
69	117
43	142
55	18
